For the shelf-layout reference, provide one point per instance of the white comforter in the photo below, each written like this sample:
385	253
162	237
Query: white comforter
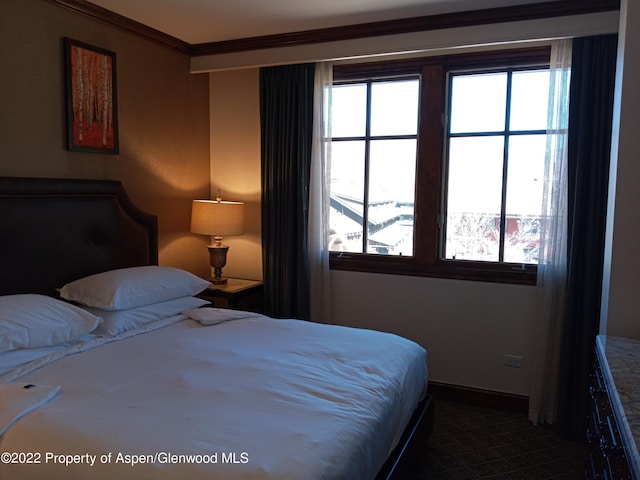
250	398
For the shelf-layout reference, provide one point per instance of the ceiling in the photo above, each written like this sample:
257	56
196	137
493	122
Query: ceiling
205	21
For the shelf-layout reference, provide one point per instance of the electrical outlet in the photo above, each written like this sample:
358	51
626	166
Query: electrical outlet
513	361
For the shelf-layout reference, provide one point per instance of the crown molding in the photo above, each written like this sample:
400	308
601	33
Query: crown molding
102	14
531	11
410	25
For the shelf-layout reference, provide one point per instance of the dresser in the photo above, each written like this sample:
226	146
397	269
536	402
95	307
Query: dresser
613	429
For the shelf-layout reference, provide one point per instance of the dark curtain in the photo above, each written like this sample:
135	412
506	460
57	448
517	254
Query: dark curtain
593	68
286	117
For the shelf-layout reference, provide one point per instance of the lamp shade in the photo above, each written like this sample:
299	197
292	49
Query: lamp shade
219	218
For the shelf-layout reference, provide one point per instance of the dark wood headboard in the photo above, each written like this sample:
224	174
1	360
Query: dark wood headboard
53	231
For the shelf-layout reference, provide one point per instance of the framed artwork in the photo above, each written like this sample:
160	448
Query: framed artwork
92	107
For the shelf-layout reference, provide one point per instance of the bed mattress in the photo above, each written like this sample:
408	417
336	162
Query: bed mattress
248	398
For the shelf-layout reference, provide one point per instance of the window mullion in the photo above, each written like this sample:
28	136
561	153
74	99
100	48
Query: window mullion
367	149
429	165
505	171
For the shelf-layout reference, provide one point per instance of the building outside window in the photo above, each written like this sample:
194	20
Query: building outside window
374	139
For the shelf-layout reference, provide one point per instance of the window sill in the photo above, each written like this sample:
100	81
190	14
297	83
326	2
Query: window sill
451	269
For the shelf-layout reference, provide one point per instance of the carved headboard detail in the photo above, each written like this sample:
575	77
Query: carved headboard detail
53	231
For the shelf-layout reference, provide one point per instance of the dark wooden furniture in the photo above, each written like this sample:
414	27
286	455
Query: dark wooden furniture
237	294
412	445
607	457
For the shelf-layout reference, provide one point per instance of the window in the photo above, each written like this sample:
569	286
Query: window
374	137
437	165
495	164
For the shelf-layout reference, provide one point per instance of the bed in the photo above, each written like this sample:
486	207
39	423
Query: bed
141	379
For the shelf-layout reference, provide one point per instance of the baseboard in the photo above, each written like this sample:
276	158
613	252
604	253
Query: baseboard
479	397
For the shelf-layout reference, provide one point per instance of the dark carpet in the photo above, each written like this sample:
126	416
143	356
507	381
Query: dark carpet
470	442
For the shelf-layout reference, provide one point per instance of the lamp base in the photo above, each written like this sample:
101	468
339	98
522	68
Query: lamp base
218	259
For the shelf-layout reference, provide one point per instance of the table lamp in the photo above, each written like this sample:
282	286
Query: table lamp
217	218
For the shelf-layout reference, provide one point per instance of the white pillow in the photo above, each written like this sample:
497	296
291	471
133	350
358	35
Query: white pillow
133	287
30	320
115	322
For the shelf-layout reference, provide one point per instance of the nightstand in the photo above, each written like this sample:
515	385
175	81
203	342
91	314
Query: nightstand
237	294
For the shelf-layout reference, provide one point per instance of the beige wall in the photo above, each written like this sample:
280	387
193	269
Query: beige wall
163	117
621	305
235	162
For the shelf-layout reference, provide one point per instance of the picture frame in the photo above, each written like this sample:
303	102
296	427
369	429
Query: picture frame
91	98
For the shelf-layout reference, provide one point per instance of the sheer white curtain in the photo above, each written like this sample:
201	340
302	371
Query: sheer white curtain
319	281
552	263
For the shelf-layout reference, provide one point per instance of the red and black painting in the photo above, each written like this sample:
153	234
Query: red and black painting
92	120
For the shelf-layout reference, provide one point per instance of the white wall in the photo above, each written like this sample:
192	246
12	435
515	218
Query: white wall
465	326
621	299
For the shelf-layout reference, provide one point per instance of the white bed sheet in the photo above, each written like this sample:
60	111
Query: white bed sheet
262	398
13	359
